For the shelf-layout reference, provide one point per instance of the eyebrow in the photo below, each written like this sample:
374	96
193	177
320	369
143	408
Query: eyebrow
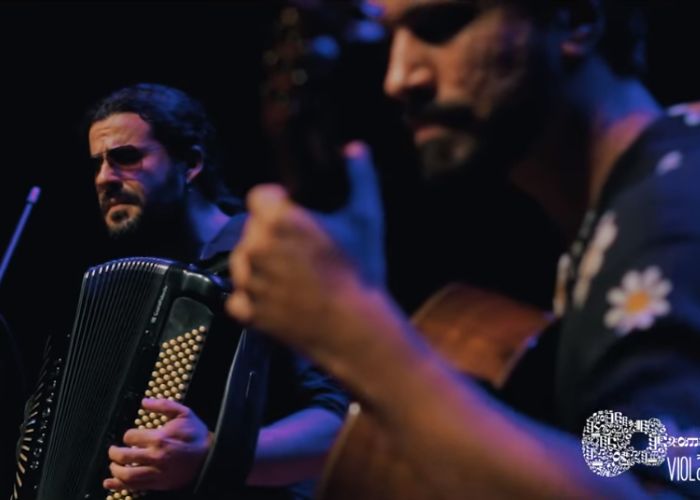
109	150
420	10
437	22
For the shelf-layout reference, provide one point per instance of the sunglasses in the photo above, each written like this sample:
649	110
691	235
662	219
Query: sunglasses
127	158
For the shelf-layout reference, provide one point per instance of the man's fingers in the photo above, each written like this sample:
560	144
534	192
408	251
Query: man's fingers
265	199
240	306
239	263
167	407
364	185
113	484
132	478
141	438
127	456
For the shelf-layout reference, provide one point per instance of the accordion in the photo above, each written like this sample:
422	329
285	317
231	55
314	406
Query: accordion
144	327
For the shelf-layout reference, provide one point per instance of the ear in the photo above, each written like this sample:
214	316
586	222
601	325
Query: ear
194	164
583	23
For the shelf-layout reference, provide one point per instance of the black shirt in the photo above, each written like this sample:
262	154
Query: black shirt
294	383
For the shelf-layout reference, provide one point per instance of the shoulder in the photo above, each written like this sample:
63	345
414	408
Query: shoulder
659	200
214	256
230	234
636	299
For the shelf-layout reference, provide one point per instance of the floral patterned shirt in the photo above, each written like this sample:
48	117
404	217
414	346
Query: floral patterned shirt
628	293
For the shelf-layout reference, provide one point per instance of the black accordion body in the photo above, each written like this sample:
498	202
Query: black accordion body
144	327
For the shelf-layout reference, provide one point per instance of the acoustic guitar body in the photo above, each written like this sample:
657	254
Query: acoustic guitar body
479	333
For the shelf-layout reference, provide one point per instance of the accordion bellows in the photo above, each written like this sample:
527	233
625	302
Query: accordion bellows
144	327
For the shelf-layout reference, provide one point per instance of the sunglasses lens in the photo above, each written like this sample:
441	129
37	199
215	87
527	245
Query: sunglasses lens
95	163
125	156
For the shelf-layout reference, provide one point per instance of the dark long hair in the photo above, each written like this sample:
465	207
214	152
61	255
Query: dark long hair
179	123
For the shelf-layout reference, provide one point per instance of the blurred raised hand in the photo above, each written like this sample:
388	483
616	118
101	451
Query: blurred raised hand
293	265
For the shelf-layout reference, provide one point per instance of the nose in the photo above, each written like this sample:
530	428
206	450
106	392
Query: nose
106	175
410	68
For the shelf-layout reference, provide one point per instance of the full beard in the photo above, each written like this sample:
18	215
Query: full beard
152	233
445	156
487	143
488	150
121	226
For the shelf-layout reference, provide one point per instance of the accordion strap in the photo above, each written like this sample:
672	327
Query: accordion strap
235	438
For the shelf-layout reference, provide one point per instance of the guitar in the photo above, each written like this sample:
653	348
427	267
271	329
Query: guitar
300	106
479	333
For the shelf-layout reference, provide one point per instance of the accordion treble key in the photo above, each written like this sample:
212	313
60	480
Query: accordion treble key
144	327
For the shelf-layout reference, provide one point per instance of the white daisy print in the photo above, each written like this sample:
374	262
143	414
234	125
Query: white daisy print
692	119
669	162
678	109
689	111
639	301
592	261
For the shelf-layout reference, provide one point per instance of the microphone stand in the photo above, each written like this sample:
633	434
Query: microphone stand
32	198
9	351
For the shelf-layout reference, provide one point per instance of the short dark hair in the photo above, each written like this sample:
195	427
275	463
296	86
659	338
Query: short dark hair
623	43
624	40
178	121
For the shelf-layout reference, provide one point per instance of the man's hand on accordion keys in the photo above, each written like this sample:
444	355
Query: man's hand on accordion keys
166	458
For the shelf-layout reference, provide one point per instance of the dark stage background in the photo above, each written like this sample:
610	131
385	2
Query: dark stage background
57	59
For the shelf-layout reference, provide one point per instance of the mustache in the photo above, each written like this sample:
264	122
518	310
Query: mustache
450	115
109	199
